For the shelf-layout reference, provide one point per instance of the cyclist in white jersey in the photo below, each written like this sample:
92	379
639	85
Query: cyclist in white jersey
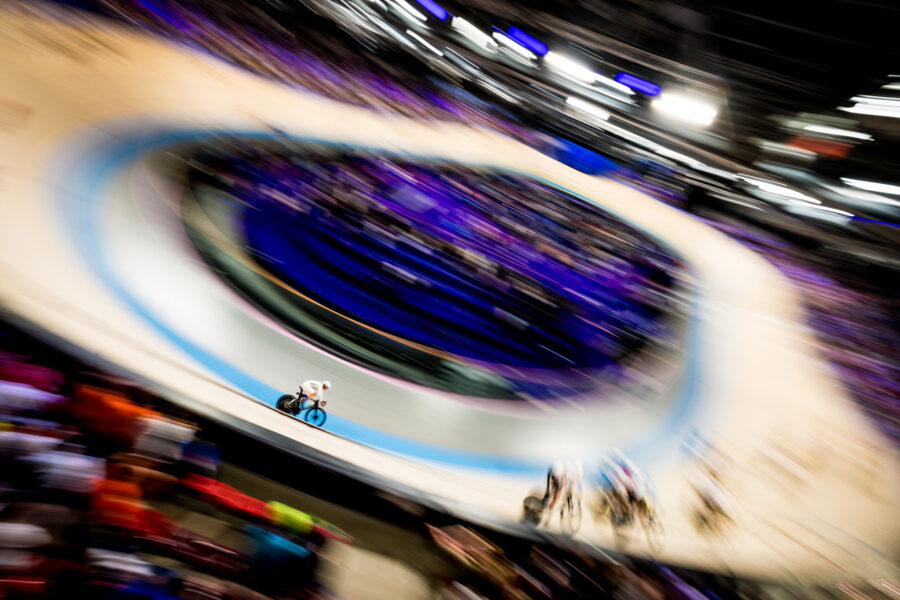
564	477
314	390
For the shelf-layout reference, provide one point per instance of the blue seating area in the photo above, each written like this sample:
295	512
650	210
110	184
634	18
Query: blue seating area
489	269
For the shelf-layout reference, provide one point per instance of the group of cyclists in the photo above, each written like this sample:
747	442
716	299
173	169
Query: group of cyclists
622	493
624	496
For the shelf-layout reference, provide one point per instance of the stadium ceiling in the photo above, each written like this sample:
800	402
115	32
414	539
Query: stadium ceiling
775	57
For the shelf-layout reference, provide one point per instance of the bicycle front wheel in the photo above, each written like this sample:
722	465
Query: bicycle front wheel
570	516
315	416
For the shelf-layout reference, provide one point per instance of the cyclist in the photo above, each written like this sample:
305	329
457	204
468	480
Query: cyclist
313	390
563	477
629	489
714	500
555	481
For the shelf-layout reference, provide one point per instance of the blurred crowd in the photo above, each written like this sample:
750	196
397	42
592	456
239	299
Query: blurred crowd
318	58
95	485
531	572
492	267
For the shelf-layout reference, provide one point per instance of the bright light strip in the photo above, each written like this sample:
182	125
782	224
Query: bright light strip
410	10
871	109
615	85
878	106
856	135
873	186
820	212
779	190
587	107
641	85
582	74
530	42
423	41
497	91
878	100
891	86
570	68
473	33
685	109
509	43
836	211
786	192
862	195
677	156
434	8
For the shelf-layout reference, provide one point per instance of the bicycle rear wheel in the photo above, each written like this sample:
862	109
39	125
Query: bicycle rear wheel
284	404
315	416
532	510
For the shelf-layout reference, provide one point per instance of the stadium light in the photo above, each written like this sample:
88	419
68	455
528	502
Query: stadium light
828	209
877	106
636	83
435	9
410	10
873	186
856	135
510	44
471	32
615	85
777	189
588	108
570	68
531	43
862	195
677	156
423	41
877	100
685	109
871	109
581	74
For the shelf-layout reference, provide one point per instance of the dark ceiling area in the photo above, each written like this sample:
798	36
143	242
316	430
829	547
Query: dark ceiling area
774	57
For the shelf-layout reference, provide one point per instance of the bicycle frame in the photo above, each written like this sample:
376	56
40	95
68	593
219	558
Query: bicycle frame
316	403
312	408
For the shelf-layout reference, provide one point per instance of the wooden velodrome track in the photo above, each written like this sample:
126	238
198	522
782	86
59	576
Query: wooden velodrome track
91	253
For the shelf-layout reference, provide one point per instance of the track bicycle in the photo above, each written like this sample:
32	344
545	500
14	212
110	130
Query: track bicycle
534	511
294	404
710	518
622	513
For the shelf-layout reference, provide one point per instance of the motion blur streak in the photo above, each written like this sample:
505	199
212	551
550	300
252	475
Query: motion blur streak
349	300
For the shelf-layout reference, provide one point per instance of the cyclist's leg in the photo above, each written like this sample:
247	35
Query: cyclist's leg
570	501
554	492
297	405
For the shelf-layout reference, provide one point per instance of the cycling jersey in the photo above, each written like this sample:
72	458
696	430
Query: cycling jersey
313	390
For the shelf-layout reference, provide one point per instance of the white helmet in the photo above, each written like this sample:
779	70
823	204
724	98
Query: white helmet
326	385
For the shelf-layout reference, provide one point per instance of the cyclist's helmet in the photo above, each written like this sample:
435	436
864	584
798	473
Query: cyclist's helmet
326	385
